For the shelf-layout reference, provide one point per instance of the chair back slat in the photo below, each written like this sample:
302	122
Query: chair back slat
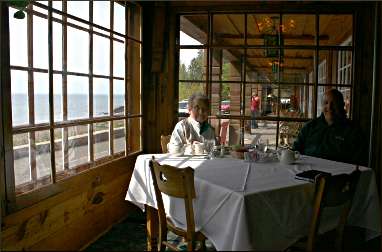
164	140
174	181
339	189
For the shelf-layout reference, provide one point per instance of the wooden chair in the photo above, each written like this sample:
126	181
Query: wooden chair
332	191
164	140
175	182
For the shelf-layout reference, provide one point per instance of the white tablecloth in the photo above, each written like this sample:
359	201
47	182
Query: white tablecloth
255	206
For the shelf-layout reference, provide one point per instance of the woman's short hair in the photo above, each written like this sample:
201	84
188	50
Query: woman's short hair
197	96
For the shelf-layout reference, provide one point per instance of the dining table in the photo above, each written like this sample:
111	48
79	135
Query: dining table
243	205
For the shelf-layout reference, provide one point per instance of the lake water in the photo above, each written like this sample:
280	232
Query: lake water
77	107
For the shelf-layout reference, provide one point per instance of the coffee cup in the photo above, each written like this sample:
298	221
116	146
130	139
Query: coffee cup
199	148
175	149
287	156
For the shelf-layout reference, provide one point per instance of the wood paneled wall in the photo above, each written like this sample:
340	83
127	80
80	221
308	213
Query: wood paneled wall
90	203
159	92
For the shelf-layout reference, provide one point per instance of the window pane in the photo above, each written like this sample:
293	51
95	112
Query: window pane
261	27
192	64
289	132
78	51
265	133
57	46
57	92
119	59
101	140
119	18
100	97
298	29
193	38
78	145
186	89
335	67
101	55
119	97
119	136
296	65
18	40
226	27
78	97
256	99
79	9
41	97
43	159
101	13
58	6
336	30
21	158
19	91
40	42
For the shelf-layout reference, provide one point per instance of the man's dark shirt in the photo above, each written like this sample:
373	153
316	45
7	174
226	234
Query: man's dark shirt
341	141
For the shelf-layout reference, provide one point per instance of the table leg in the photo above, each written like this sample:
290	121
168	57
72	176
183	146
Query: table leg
152	227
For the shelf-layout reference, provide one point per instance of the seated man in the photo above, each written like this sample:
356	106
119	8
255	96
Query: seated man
332	136
195	127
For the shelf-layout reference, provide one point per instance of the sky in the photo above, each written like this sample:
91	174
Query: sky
78	53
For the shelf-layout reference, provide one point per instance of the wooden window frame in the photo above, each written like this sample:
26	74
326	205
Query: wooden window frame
28	190
242	117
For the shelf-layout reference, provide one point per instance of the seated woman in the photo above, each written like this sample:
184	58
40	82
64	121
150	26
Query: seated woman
195	127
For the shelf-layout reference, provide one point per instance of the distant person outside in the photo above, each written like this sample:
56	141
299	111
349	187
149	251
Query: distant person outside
331	135
255	105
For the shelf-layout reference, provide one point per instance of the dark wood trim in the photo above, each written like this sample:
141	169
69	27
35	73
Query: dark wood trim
51	95
127	83
31	113
65	133
91	102
111	82
6	110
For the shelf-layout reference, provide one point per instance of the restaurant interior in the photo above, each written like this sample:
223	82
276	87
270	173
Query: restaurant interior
89	90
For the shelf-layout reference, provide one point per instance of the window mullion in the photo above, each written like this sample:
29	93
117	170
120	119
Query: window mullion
32	139
51	101
127	128
65	140
91	125
111	81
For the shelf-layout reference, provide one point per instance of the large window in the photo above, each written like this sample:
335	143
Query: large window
75	88
287	60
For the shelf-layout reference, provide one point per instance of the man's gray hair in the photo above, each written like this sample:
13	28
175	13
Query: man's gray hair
196	96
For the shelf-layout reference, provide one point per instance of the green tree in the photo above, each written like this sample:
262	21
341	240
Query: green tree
182	72
196	67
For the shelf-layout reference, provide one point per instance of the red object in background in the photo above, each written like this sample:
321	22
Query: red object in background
255	103
225	107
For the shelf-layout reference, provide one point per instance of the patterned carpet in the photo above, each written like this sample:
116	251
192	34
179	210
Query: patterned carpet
130	235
